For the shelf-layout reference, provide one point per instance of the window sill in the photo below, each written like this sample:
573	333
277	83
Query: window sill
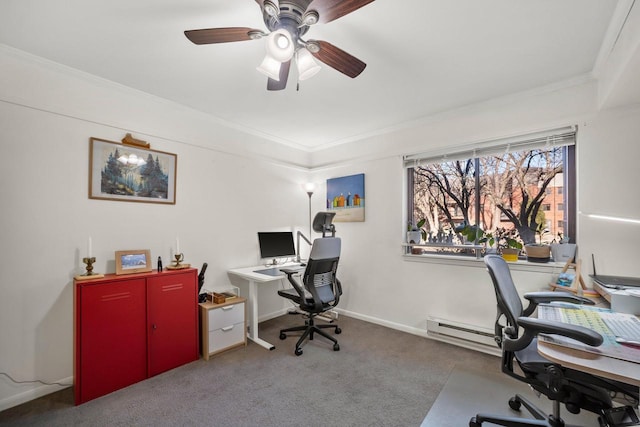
520	265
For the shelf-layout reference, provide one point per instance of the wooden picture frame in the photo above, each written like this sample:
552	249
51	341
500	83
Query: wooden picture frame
131	174
133	261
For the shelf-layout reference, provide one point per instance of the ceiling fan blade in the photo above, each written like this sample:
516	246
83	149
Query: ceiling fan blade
220	35
337	58
284	75
330	10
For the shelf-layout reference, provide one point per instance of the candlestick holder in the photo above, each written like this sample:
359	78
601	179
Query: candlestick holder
89	274
89	261
177	264
178	259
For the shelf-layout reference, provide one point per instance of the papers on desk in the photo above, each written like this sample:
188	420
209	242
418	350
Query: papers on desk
589	317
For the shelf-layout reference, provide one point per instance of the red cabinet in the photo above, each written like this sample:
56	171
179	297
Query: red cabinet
128	328
172	319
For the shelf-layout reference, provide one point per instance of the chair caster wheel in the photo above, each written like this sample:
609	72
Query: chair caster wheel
298	352
514	404
282	336
473	423
336	347
338	330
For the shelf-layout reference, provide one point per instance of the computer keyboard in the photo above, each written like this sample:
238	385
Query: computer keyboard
624	327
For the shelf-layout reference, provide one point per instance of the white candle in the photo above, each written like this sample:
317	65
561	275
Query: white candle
177	245
89	246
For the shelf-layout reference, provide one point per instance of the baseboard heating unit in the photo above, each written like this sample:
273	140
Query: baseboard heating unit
464	335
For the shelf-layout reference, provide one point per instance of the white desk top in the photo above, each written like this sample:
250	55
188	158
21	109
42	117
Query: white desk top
249	273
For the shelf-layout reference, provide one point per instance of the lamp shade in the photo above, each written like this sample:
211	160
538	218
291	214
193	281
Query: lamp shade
309	187
280	45
307	66
270	68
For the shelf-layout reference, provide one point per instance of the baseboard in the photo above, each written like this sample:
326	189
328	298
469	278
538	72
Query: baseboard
34	393
422	333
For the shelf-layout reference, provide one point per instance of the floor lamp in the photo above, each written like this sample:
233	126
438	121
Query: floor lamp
309	187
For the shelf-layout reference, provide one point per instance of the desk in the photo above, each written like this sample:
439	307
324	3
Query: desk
249	274
592	363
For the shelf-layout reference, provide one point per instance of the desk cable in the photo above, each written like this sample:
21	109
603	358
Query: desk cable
34	381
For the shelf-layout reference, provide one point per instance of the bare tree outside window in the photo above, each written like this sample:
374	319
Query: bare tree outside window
513	191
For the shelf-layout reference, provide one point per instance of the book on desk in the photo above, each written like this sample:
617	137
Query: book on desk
588	317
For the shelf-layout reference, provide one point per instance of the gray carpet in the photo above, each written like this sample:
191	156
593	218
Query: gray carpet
380	377
469	391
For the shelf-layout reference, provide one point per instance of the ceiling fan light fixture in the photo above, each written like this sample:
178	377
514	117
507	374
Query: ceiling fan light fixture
280	45
307	66
270	68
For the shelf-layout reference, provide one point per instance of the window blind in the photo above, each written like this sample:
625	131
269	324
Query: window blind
552	138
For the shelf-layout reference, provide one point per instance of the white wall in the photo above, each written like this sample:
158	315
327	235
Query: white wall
225	193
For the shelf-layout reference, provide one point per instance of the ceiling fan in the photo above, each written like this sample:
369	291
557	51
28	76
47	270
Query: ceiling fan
287	21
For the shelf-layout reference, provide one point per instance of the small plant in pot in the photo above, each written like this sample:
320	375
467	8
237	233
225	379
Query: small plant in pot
507	243
538	252
503	240
415	234
562	250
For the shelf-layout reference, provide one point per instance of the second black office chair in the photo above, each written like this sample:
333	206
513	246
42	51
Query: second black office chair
319	291
517	338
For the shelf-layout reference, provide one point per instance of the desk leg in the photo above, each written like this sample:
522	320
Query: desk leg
253	326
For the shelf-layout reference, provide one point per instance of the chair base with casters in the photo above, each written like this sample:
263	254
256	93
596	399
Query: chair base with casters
309	329
540	418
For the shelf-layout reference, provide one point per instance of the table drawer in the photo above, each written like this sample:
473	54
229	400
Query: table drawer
226	316
225	337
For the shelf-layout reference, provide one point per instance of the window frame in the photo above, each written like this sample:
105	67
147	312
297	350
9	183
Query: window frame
568	140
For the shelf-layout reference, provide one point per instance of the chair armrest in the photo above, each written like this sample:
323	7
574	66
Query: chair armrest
536	298
533	326
290	272
546	297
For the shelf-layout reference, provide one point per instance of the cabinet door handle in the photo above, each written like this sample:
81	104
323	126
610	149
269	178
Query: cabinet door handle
154	327
228	307
228	328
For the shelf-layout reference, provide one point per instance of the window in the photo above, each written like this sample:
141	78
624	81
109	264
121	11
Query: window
496	189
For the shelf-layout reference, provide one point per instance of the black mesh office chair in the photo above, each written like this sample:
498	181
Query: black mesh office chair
517	338
319	291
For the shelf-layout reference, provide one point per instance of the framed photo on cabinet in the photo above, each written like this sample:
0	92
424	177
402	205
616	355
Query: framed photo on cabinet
131	174
133	261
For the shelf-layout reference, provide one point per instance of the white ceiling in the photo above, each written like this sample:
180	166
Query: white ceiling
423	57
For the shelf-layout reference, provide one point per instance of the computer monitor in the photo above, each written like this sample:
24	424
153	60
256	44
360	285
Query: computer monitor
276	244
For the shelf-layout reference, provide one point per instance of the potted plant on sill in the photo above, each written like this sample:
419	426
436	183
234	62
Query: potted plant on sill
504	240
415	234
562	250
538	252
507	243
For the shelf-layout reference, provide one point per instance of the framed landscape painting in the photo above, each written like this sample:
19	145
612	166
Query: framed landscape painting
131	174
345	197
